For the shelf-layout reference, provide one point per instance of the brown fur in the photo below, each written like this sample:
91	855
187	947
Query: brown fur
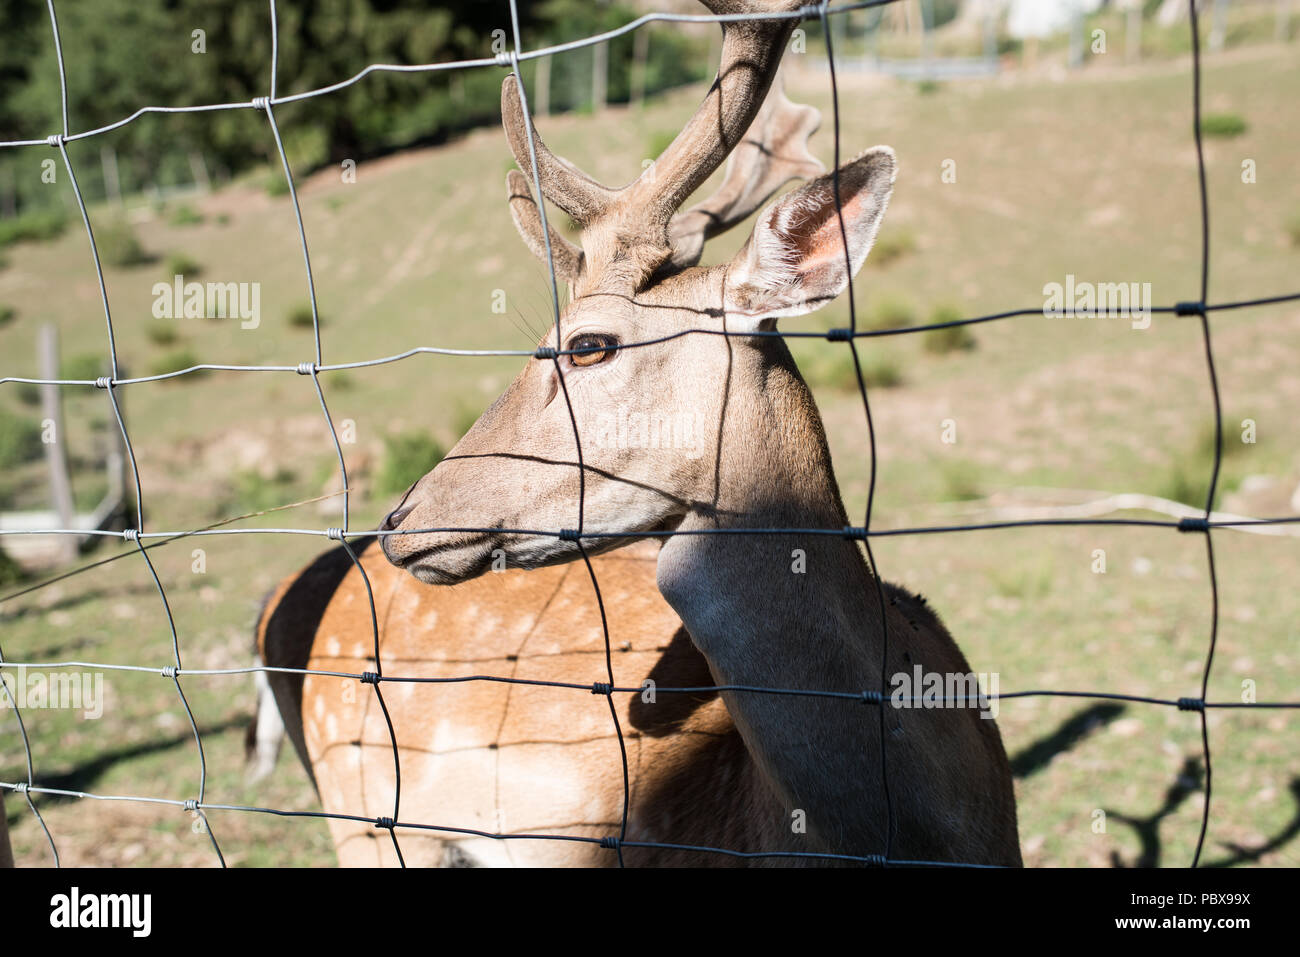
693	781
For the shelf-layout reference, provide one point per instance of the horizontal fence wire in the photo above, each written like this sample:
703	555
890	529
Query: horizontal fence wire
1199	309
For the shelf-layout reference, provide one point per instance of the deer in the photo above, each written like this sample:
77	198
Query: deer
689	598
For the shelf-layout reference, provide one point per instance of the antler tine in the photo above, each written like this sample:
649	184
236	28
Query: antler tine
773	152
751	53
566	256
639	213
562	183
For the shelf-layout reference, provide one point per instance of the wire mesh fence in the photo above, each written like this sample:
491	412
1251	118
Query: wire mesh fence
146	539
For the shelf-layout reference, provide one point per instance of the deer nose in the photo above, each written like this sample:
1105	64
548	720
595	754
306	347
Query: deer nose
394	518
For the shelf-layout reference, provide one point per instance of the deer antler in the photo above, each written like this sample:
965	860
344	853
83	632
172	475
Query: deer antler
631	225
773	152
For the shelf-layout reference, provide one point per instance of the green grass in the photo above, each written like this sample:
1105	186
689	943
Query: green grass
1223	125
407	457
7	315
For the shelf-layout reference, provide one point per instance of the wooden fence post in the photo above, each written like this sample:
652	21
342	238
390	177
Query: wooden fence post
55	440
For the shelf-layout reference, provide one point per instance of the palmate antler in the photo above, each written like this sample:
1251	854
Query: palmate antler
632	232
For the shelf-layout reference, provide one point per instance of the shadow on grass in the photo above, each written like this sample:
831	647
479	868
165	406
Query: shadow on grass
1039	754
84	597
1187	782
82	777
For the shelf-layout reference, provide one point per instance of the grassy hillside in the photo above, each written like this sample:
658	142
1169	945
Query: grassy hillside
1093	177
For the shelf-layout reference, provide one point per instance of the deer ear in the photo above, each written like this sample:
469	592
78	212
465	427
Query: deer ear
567	256
794	262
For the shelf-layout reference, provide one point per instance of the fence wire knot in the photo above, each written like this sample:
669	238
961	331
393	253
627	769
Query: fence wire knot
545	352
570	535
168	671
601	687
1194	308
334	533
21	787
55	140
387	823
855	531
1191	704
131	534
191	805
261	102
1194	524
370	678
872	697
810	10
839	335
306	368
612	843
506	58
104	382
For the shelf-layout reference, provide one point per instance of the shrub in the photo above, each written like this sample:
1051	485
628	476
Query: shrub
407	456
31	227
890	245
1293	230
961	482
11	573
7	314
1222	125
20	439
179	264
276	184
300	316
175	360
88	365
28	393
186	215
118	245
252	492
831	366
892	312
949	338
162	332
881	372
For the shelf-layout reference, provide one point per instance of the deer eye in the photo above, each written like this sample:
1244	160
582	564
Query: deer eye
591	349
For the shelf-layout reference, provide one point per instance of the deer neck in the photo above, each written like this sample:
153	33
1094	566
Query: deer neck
788	611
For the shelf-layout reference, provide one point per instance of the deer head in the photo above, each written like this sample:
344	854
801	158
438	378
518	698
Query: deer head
707	423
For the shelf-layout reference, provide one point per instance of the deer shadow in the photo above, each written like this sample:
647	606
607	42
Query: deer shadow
1188	781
